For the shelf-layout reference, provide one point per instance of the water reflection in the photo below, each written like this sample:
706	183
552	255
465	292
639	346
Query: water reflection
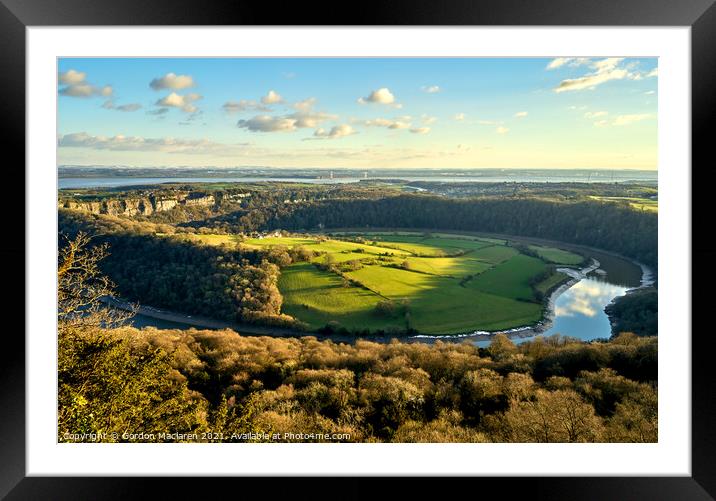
579	311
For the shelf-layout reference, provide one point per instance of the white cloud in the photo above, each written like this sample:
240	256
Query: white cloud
305	105
380	96
77	86
622	120
595	114
109	105
459	116
427	120
311	119
272	98
266	123
521	114
388	123
128	107
184	102
650	92
569	61
431	89
653	73
605	70
172	81
137	143
173	100
606	64
502	130
244	105
336	132
420	130
72	77
630	119
304	117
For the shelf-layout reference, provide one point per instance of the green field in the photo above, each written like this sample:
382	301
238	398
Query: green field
551	281
557	256
638	203
433	284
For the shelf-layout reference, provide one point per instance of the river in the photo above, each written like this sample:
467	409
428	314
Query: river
495	176
576	308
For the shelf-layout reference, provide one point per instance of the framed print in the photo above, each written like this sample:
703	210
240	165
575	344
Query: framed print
421	242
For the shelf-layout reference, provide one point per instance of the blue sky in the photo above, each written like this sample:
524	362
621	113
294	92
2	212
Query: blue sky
366	113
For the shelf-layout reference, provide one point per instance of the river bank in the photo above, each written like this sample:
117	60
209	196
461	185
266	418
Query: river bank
201	322
150	316
528	330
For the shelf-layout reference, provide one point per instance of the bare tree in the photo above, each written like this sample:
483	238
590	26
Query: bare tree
82	289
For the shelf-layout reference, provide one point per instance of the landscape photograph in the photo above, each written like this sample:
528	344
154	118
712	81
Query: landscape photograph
357	250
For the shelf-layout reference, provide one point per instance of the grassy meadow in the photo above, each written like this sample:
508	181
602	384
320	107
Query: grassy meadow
432	283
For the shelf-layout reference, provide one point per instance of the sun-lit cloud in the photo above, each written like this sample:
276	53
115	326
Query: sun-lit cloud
76	85
336	132
72	77
521	114
380	96
431	89
128	107
604	70
459	116
303	117
387	123
86	90
420	130
267	123
623	120
183	102
502	130
110	105
630	119
595	114
427	119
567	61
243	105
310	118
158	111
172	81
305	104
272	97
138	143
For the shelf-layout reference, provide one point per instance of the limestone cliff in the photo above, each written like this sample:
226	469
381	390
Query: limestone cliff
145	205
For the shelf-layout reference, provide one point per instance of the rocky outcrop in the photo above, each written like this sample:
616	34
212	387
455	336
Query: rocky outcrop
129	207
133	206
201	199
124	207
93	207
162	204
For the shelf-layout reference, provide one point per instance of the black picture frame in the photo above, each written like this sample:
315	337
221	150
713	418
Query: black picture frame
700	15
